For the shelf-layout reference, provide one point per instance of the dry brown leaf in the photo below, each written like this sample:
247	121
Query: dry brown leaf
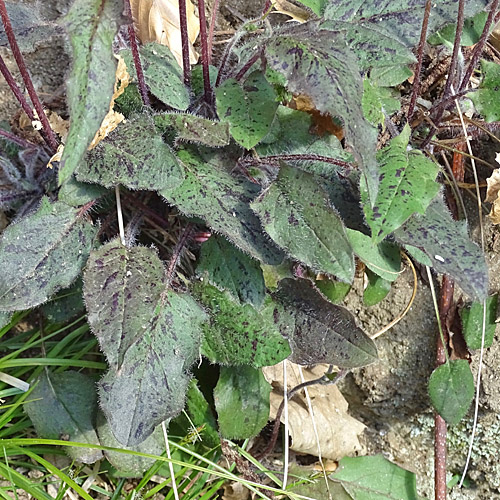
338	431
294	11
493	193
158	21
235	491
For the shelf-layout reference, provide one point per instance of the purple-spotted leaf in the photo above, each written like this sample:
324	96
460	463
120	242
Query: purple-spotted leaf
447	246
135	156
64	406
407	186
92	26
36	262
296	213
152	381
451	389
122	288
319	331
222	200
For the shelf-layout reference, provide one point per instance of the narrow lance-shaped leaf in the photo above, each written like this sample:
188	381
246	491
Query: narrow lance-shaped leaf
92	26
319	331
122	288
42	253
296	213
151	384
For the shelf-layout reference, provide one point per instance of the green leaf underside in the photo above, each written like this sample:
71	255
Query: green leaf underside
407	186
472	321
239	334
64	406
446	244
242	401
375	478
296	213
377	289
378	102
222	200
135	156
230	269
318	331
249	108
390	76
383	259
317	6
485	98
334	291
92	26
151	383
77	194
318	63
162	74
122	288
192	128
34	262
451	389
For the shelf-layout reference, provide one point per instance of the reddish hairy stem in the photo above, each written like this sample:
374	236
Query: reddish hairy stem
248	65
211	30
176	255
49	135
18	140
205	53
185	42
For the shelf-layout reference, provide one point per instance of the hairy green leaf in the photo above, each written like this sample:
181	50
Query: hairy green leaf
377	289
334	291
222	200
192	128
230	269
242	401
318	63
375	478
407	186
122	287
92	26
249	108
42	253
451	389
485	99
378	102
64	406
66	305
472	321
77	194
239	334
317	6
390	76
151	384
471	32
319	331
296	213
162	74
5	318
135	156
446	244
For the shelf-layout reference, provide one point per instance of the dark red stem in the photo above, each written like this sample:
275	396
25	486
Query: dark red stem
143	89
49	134
185	42
176	255
205	53
18	140
248	65
420	58
211	30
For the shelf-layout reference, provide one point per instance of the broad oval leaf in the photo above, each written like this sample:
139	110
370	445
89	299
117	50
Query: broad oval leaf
319	331
92	26
64	406
36	262
249	108
151	384
472	321
296	213
451	389
135	156
485	98
376	290
446	244
122	288
242	401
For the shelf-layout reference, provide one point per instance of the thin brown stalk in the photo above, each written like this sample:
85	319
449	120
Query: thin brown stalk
176	255
186	66
208	95
18	140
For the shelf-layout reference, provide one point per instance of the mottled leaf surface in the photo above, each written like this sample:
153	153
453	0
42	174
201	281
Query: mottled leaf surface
77	194
162	74
66	305
151	384
230	269
379	102
5	318
242	401
451	389
485	98
296	213
135	156
446	244
317	6
222	200
390	76
64	406
92	26
42	253
192	128
249	108
239	334
319	64
472	322
319	331
122	288
407	186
